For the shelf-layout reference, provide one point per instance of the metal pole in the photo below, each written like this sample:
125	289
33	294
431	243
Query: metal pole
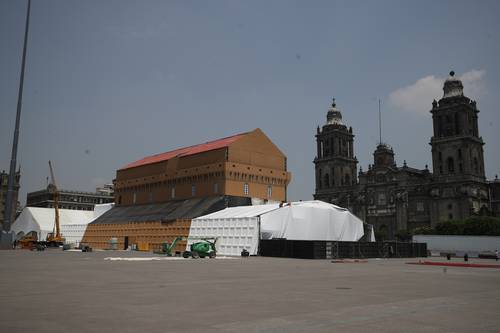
12	172
379	122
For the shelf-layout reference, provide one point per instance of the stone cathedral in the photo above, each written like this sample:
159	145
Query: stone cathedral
395	197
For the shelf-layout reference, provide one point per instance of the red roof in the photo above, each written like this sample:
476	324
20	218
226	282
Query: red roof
186	151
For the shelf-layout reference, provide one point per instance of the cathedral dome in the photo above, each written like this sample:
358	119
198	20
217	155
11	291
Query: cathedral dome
333	116
453	86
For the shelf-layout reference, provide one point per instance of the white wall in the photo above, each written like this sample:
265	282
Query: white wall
233	234
472	245
73	233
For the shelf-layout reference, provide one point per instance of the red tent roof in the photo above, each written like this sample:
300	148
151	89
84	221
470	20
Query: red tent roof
186	151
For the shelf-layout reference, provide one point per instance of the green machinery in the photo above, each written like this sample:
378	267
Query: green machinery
201	249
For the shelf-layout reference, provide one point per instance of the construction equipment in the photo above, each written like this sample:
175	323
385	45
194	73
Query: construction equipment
205	248
28	241
54	238
167	248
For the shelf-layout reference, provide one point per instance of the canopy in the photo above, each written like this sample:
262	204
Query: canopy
239	228
41	220
311	220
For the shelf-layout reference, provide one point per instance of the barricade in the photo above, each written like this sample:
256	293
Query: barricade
340	250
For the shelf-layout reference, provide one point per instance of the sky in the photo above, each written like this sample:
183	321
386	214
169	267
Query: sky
111	81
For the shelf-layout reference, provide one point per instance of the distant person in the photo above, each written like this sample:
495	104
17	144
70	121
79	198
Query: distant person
496	254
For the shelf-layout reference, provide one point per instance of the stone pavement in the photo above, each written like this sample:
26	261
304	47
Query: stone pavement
56	291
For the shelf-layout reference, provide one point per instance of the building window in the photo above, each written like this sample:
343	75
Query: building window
451	165
347	179
193	190
134	199
216	188
382	199
245	189
319	179
172	193
269	191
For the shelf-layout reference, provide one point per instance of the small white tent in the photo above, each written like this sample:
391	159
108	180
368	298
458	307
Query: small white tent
41	220
239	228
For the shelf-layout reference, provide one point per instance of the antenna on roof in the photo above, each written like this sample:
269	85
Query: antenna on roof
379	122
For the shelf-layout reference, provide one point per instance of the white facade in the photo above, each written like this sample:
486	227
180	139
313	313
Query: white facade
235	228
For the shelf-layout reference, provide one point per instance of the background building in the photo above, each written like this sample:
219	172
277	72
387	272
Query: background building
157	196
74	200
395	198
4	179
244	165
107	189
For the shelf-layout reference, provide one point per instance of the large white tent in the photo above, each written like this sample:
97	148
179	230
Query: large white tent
239	228
41	220
311	220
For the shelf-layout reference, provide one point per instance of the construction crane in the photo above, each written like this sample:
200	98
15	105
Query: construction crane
54	238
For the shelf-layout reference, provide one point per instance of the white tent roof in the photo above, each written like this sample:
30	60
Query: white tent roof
311	220
41	220
240	212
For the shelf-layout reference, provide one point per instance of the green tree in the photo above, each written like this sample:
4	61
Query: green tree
473	226
403	235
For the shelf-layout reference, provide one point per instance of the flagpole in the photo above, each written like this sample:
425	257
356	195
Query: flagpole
12	172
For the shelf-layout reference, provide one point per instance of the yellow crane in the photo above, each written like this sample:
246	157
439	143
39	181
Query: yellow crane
54	238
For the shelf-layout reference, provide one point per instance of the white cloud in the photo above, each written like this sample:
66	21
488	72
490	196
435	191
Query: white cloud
473	83
418	97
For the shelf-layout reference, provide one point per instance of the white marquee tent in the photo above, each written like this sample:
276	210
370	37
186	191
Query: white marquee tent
239	228
41	220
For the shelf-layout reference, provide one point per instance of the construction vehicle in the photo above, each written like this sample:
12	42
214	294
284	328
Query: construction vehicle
54	238
29	241
167	248
204	248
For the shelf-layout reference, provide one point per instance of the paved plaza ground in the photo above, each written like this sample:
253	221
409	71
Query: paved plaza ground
56	291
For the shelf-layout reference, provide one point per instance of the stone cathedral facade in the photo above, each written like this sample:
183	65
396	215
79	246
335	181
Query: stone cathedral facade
398	197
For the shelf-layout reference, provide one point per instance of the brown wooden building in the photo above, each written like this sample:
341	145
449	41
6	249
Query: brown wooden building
242	169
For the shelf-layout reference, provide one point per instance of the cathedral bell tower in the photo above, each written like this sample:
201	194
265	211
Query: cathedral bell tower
460	187
335	163
457	148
